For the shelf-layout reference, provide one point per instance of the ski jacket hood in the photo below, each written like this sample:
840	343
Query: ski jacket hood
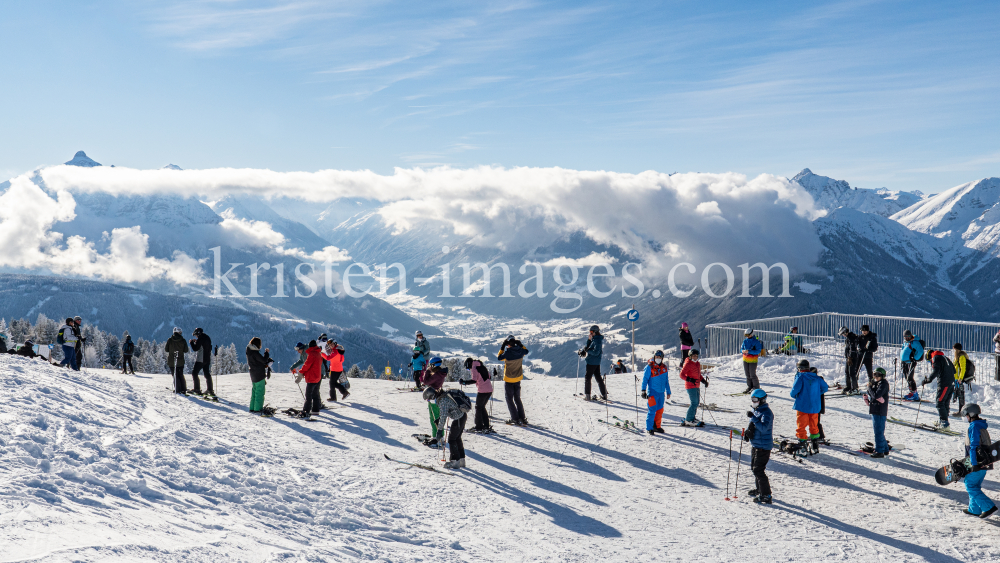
656	378
807	390
312	369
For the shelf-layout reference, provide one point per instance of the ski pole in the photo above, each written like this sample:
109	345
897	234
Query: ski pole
737	485
920	403
577	375
894	378
729	468
173	378
445	443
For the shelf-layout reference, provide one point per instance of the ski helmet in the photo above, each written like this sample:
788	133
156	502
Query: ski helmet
177	330
596	329
793	329
907	334
419	333
803	365
684	325
78	319
758	394
658	354
880	371
748	332
694	352
198	330
430	393
436	361
843	330
299	346
322	337
971	409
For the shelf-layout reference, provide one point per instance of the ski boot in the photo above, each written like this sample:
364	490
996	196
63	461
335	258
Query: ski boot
942	424
988	513
753	493
511	422
970	513
877	455
524	422
764	499
815	446
651	433
658	430
748	391
454	464
911	396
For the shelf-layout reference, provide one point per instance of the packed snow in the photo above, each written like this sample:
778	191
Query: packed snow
102	466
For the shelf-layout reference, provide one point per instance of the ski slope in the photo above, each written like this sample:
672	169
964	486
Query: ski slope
96	466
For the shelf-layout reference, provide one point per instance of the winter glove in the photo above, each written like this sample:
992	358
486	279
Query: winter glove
924	382
298	378
748	434
705	381
465	382
644	396
582	353
750	414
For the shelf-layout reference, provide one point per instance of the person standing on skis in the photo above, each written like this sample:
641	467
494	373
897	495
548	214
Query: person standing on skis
175	349
760	434
201	345
867	346
67	337
484	391
977	444
417	366
434	378
964	375
128	349
852	362
687	341
313	374
448	408
911	353
512	352
592	352
751	349
422	346
693	380
944	371
656	378
877	399
807	389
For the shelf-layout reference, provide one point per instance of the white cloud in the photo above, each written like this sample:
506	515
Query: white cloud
593	259
257	234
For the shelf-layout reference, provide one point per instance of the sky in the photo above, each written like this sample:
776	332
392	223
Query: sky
896	94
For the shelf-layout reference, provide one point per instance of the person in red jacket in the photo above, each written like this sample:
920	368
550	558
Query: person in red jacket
334	354
693	380
312	371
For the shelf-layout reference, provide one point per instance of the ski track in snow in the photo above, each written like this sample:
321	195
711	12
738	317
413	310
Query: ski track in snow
97	466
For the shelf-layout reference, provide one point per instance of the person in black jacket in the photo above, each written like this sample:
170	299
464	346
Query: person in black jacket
687	341
201	345
867	345
877	399
853	362
944	371
258	373
128	349
28	350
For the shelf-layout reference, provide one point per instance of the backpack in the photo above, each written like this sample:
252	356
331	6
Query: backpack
923	346
461	399
128	347
970	370
60	339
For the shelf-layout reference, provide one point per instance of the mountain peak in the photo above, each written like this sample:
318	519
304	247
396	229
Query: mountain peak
171	167
81	159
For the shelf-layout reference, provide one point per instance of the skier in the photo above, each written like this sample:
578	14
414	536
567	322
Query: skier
867	346
128	349
512	353
877	399
313	374
423	346
417	366
965	373
751	349
996	352
760	434
484	390
447	403
67	338
822	408
619	367
657	379
258	364
175	348
434	378
807	389
334	353
911	353
944	371
852	362
592	352
201	345
687	341
977	442
80	341
693	380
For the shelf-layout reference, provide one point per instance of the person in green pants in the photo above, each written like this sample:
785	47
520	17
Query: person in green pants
434	378
258	373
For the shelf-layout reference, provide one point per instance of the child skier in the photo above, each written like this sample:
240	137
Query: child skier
760	434
806	390
877	399
977	443
656	378
434	378
484	390
693	380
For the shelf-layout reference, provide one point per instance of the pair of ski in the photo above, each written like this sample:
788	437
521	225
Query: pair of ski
921	426
622	424
709	407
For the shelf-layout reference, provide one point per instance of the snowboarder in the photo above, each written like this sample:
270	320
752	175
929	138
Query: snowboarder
484	391
944	371
687	341
911	353
852	362
512	353
201	345
619	367
977	442
447	403
760	434
67	337
128	349
313	374
258	364
867	346
693	380
751	349
434	377
592	352
965	373
807	389
877	399
334	353
656	378
175	348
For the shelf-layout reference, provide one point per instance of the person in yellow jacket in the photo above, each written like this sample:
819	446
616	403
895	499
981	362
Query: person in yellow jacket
962	364
512	352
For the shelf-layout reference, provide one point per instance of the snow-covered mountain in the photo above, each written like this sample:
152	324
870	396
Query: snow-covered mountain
81	159
829	194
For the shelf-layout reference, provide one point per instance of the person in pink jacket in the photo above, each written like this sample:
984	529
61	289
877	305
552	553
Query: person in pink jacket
484	390
334	353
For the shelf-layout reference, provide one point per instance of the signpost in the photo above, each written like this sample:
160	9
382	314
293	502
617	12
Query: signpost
632	315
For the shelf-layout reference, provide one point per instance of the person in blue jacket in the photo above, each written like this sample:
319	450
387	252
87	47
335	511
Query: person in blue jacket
911	353
657	380
751	349
760	434
977	439
593	352
807	390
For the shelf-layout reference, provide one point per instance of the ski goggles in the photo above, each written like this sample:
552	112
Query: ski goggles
754	400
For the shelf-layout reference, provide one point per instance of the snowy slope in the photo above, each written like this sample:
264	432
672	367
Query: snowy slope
829	194
968	214
98	466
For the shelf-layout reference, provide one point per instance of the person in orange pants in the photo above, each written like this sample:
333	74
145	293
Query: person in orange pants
807	391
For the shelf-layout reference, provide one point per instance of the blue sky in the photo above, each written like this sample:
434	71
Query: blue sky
896	94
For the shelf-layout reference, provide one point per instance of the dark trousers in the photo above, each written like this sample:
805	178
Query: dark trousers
866	360
418	375
943	403
127	364
455	444
997	375
180	384
909	370
684	355
851	369
758	463
312	398
512	392
202	367
750	370
595	372
482	417
336	386
960	394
